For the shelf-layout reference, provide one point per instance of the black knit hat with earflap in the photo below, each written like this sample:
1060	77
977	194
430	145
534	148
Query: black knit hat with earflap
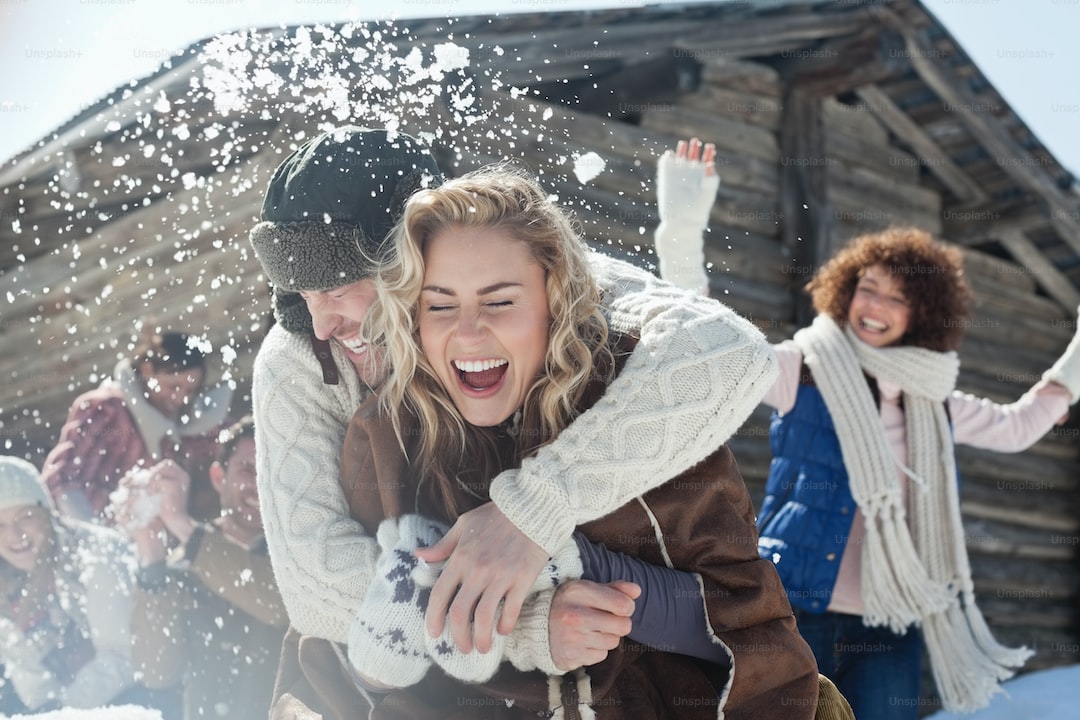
329	208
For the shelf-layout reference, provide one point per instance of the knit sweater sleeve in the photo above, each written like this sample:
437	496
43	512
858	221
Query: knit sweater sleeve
696	374
78	461
321	556
781	396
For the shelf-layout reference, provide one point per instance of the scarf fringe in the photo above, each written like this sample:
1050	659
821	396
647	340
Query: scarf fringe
968	664
888	556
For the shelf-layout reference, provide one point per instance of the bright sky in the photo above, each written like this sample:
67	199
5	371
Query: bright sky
59	56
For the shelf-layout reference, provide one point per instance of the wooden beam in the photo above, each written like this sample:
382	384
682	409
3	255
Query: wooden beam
742	75
1052	280
843	64
837	66
806	227
938	162
790	27
974	226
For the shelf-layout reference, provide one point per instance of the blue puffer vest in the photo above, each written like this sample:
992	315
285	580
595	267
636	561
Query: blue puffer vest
808	509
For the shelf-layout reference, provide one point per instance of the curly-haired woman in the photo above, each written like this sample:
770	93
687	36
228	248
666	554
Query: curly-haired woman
861	514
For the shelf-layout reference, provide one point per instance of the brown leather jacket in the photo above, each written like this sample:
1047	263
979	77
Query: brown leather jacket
702	522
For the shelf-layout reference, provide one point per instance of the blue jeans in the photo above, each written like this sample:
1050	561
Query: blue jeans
877	670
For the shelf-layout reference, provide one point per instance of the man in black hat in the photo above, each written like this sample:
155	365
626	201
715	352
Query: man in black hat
328	209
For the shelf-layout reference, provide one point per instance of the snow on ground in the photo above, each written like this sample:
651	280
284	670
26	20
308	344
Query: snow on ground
1044	695
116	712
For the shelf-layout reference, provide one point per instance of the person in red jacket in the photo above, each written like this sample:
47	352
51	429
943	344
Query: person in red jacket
155	407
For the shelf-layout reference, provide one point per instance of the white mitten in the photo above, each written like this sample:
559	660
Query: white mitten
386	640
527	645
1066	371
684	196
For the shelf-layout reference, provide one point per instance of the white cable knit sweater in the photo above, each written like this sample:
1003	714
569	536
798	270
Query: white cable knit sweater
697	373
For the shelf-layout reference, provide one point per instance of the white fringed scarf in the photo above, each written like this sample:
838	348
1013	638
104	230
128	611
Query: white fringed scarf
913	572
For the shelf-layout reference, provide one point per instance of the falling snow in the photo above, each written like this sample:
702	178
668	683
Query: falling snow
588	166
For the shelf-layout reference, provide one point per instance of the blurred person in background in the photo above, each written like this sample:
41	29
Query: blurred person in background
154	407
65	601
207	614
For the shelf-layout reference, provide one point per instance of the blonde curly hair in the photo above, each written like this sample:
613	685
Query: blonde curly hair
506	198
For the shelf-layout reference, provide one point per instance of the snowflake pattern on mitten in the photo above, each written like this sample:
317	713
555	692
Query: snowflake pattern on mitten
524	651
386	640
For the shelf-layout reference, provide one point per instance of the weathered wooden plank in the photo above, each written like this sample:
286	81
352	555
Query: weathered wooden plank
842	64
1026	479
994	323
743	254
759	110
146	239
975	226
990	574
1045	616
725	134
936	160
883	159
579	132
854	119
980	266
760	37
1049	278
742	75
854	185
1005	301
855	213
1003	530
1006	363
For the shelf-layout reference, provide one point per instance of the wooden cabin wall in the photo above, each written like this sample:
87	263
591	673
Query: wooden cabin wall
170	252
1019	509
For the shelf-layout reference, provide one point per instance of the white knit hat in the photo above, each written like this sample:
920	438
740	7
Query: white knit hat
21	484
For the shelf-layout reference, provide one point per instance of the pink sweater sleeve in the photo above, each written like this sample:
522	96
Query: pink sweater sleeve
1009	427
782	394
77	458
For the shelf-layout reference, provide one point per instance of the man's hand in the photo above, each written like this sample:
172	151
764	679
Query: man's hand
488	562
587	620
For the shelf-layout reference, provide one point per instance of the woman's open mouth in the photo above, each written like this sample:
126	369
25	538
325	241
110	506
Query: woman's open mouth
480	375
